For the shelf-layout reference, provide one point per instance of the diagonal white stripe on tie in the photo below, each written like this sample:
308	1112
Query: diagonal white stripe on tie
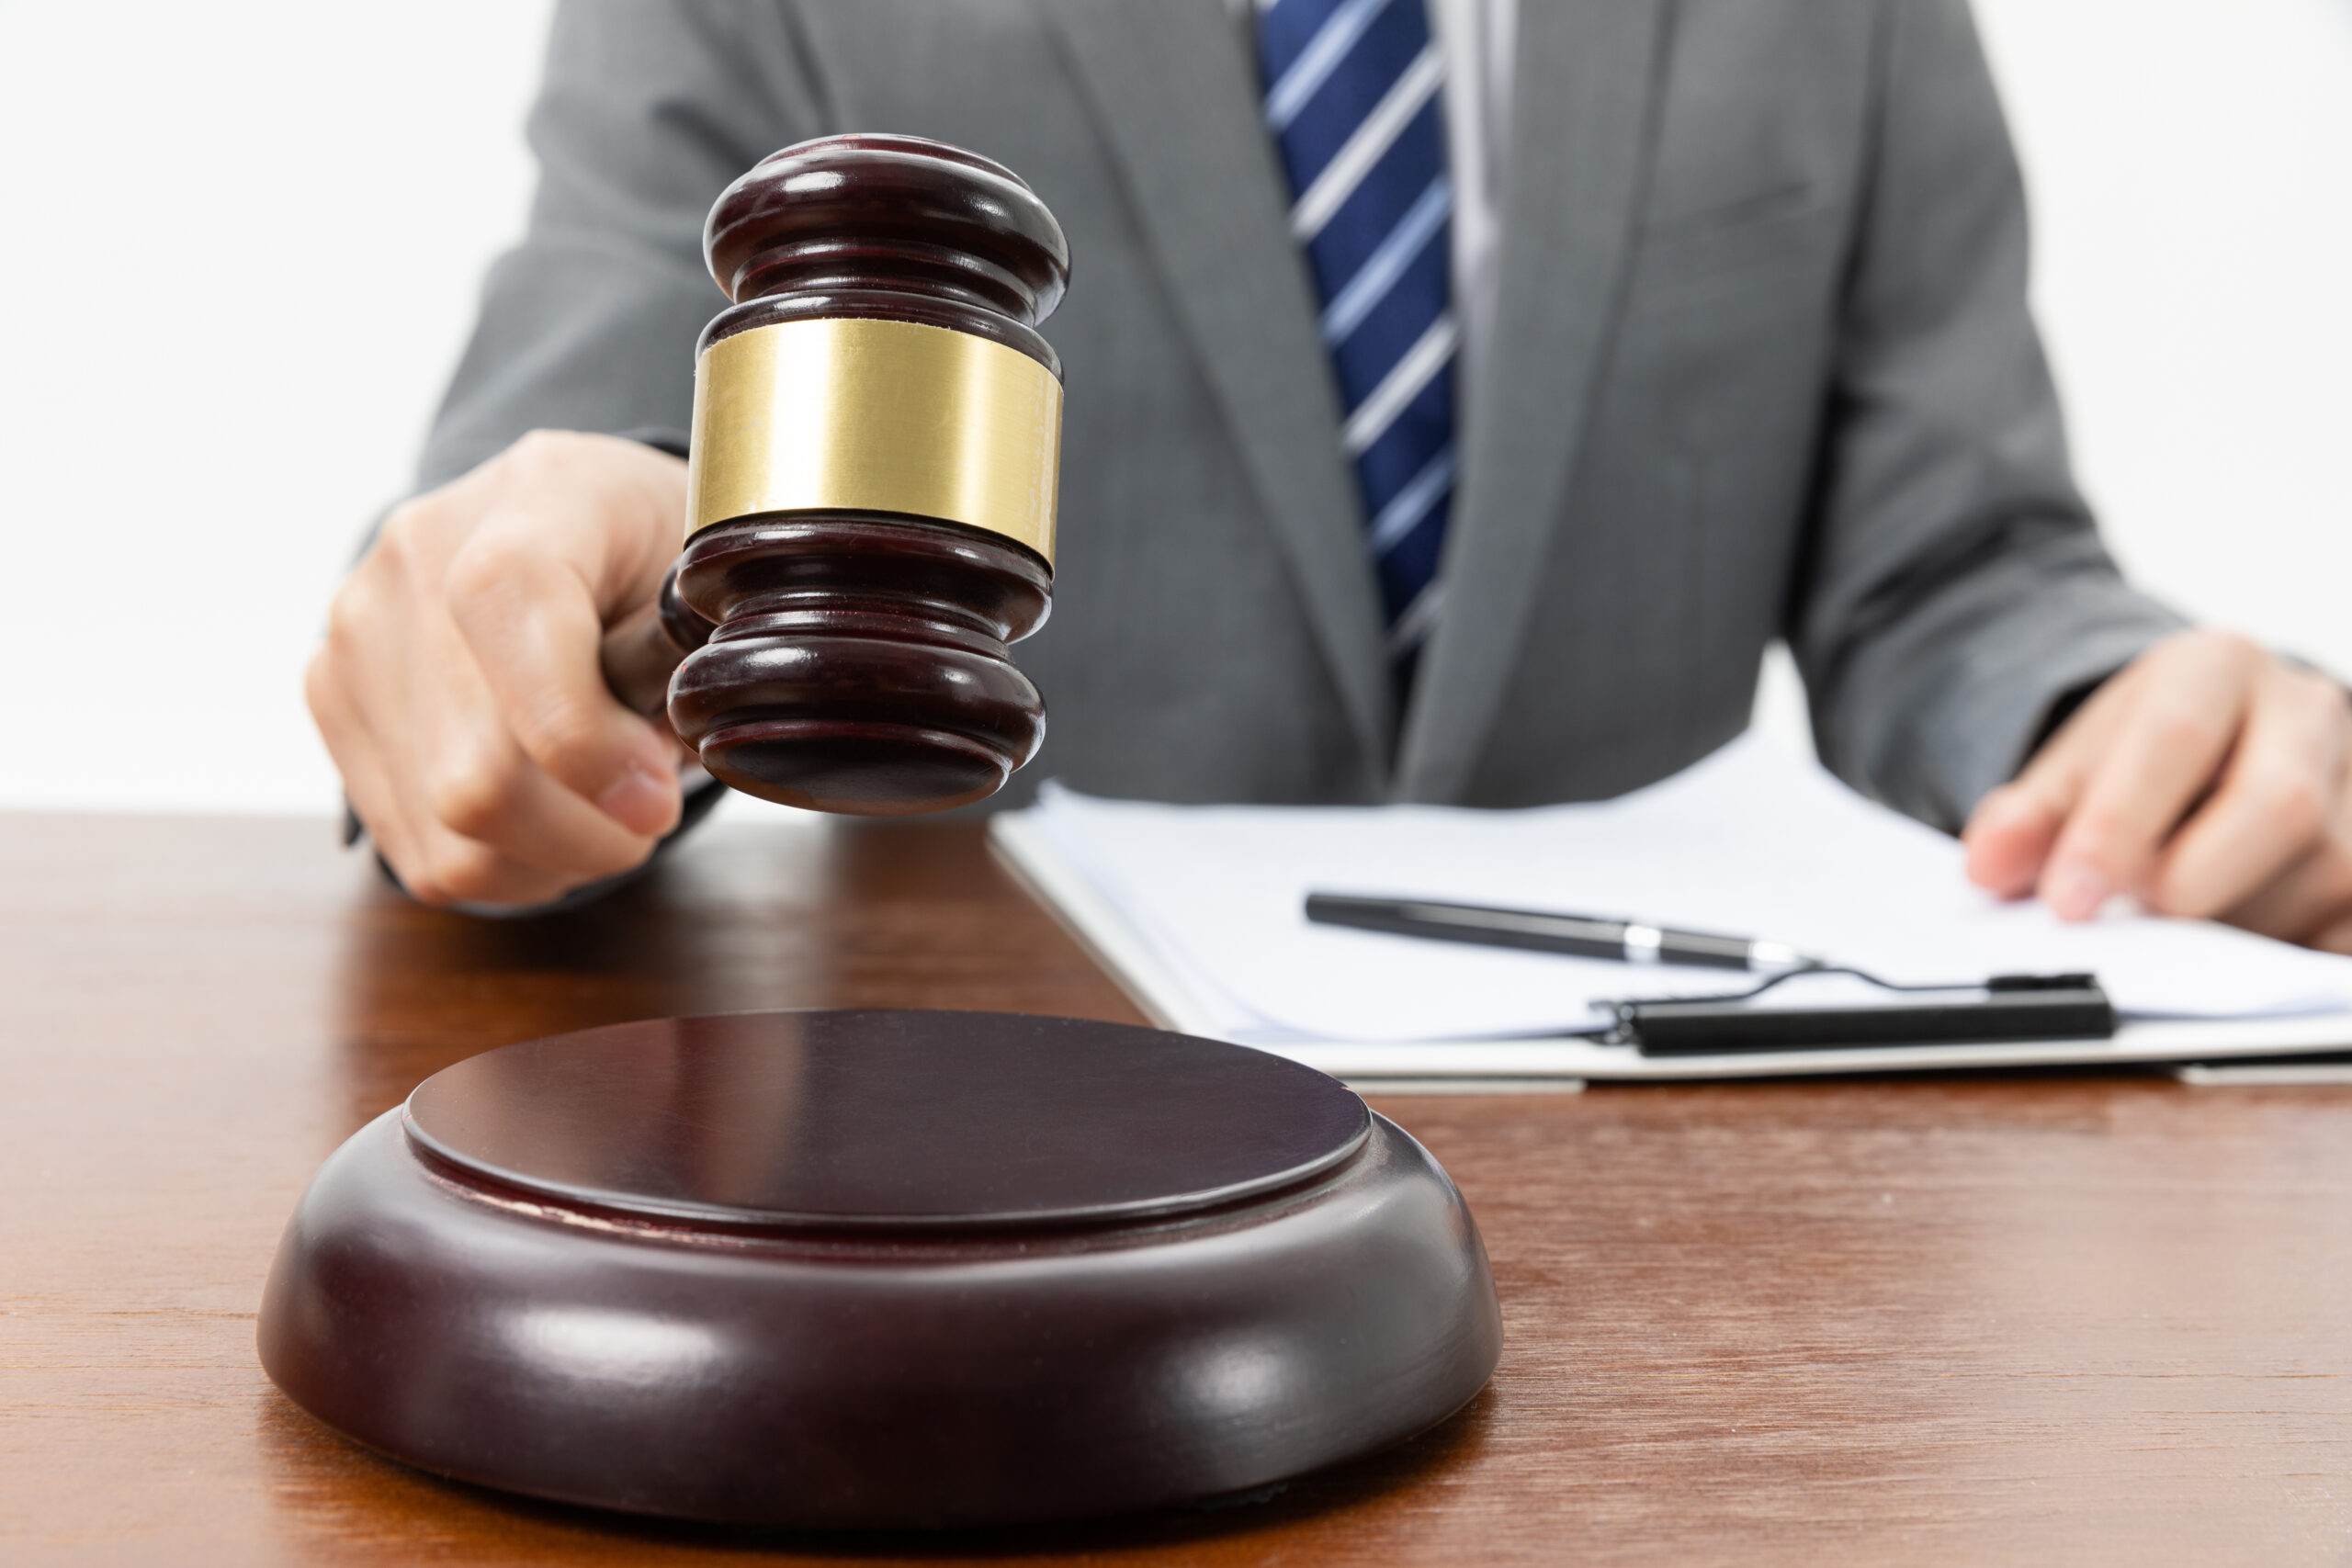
1379	131
1381	270
1405	512
1400	386
1316	61
1418	617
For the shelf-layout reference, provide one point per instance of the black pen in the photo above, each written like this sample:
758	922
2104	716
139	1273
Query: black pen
1582	935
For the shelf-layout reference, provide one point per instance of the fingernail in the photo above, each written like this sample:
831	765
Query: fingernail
641	801
2075	891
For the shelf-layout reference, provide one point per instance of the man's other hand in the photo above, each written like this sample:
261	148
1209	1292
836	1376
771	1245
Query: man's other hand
2207	778
459	691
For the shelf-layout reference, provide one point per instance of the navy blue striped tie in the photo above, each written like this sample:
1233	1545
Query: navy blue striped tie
1353	99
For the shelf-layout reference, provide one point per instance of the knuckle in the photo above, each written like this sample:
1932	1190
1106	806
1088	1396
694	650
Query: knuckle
2176	726
2292	805
1995	807
2220	645
566	742
457	873
480	573
403	532
2240	648
2012	810
470	794
2105	843
350	617
354	644
539	457
2034	800
2321	695
2096	832
417	876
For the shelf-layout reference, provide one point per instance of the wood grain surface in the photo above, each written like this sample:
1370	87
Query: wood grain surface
2031	1319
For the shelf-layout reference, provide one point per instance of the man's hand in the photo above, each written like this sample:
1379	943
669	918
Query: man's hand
2207	778
460	691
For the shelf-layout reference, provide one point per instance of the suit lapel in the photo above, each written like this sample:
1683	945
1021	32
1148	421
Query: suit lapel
1173	91
1583	125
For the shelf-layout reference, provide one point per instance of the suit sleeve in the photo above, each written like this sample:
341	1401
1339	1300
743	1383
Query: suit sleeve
647	110
1955	588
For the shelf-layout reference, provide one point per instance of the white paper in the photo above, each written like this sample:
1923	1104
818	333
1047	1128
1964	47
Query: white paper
1752	841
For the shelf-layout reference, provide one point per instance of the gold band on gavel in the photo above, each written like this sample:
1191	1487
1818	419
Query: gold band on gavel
875	416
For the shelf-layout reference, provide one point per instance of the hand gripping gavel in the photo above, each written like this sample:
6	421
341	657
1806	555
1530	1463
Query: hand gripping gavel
871	483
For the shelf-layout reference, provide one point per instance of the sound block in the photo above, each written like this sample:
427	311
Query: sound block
870	1268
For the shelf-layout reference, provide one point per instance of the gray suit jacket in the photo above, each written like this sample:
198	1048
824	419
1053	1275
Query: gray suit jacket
1765	367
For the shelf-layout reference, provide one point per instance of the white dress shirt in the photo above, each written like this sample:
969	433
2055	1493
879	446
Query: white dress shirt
1478	36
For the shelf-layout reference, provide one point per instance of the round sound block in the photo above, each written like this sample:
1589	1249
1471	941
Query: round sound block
830	1270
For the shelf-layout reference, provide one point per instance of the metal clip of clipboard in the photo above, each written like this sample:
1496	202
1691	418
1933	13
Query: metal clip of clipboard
2008	1007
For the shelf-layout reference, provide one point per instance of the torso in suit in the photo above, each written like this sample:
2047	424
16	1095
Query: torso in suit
1762	367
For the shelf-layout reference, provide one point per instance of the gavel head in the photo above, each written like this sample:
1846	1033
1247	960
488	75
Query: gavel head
873	474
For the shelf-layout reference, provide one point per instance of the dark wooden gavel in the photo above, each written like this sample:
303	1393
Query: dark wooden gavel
871	487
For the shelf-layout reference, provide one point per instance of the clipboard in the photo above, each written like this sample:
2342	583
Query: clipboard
1160	987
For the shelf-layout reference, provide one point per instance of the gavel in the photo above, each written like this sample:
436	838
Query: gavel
872	479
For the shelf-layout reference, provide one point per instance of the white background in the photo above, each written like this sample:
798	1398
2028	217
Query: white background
242	242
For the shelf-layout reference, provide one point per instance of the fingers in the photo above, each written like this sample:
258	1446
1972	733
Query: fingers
2178	722
458	689
2310	902
438	866
2272	811
2208	779
533	628
2008	838
2010	834
2333	937
477	781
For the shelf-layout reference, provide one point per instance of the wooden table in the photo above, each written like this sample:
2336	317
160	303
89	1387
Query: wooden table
2031	1319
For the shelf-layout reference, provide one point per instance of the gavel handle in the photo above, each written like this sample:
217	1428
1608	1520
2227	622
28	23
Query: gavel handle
642	650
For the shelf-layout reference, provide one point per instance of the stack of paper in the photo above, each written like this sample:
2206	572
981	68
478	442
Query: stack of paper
1199	909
